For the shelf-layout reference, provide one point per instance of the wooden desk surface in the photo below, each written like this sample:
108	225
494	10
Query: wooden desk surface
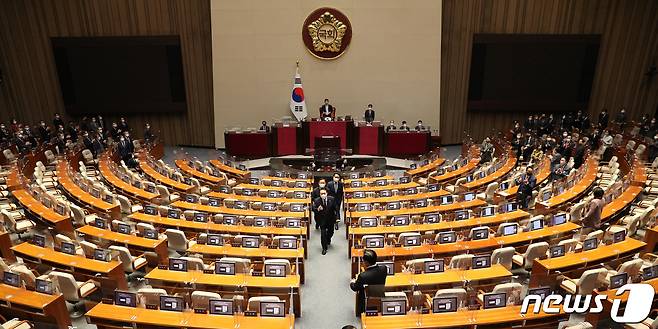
575	191
66	260
187	319
108	174
449	276
451	175
417	211
228	169
126	239
428	167
288	179
368	179
443	225
639	174
496	175
621	202
214	227
256	198
75	191
457	319
28	201
155	175
381	188
591	256
463	246
262	252
26	297
542	175
13	180
241	280
182	165
405	197
240	212
271	188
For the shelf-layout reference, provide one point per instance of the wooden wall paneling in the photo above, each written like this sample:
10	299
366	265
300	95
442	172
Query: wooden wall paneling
629	45
31	89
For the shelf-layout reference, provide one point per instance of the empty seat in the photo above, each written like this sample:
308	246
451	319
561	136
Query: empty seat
73	291
200	299
459	293
126	206
254	302
589	280
462	262
150	296
177	241
503	256
130	263
242	265
534	251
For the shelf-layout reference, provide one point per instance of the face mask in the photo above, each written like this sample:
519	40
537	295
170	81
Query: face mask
336	179
322	184
323	196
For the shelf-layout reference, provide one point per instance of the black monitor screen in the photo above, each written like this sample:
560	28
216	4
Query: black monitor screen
433	266
480	233
227	268
469	196
495	300
44	287
220	307
510	229
275	270
447	237
488	211
542	292
481	262
150	210
151	234
113	75
557	251
39	240
171	303
444	304
123	298
536	224
394	307
410	241
173	213
123	228
215	240
590	244
68	248
616	281
650	272
273	309
177	264
390	267
11	279
250	242
374	242
287	243
101	254
559	219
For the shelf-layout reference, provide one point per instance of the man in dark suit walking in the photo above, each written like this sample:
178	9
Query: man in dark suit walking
324	209
373	275
316	194
335	188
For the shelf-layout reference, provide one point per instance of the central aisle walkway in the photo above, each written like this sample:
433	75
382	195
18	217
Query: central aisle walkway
327	301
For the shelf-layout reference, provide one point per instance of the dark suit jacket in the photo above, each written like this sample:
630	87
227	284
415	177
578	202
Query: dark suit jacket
526	188
373	275
315	194
327	216
336	190
332	111
369	115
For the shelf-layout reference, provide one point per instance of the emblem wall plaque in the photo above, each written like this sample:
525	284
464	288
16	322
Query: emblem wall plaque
327	33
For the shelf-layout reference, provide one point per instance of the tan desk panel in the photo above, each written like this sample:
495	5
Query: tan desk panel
496	175
541	176
75	191
230	251
426	168
450	276
182	165
228	169
214	227
108	174
132	241
240	212
256	198
188	319
472	245
575	191
368	179
591	256
405	197
238	280
158	177
270	188
287	179
443	225
621	202
61	223
52	306
457	319
452	175
417	211
112	270
381	188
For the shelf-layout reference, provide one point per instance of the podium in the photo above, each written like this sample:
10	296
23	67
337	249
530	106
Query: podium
285	138
248	144
369	138
317	128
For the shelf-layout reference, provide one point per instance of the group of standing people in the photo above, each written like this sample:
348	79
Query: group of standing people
326	205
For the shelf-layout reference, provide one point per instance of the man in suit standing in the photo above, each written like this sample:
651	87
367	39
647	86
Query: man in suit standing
526	184
335	188
369	116
324	209
373	275
327	112
604	117
322	183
